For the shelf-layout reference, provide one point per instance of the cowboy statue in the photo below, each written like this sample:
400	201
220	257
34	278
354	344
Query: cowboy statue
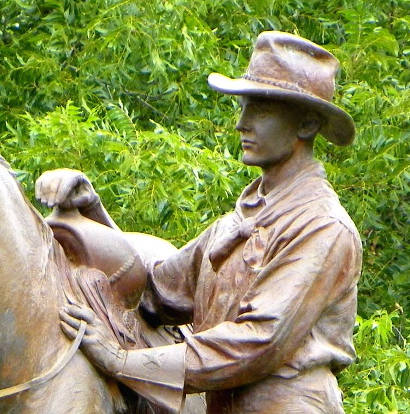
270	288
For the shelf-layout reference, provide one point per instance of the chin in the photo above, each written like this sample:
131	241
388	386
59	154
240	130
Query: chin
254	162
265	162
249	160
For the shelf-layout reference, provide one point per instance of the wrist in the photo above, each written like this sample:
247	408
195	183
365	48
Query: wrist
107	355
120	361
162	369
94	204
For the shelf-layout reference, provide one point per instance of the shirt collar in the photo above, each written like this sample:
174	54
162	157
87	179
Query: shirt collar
252	198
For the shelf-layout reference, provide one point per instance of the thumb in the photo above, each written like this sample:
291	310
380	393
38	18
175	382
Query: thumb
81	196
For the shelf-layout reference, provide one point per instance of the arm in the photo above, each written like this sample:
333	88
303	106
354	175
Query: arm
315	269
71	189
169	294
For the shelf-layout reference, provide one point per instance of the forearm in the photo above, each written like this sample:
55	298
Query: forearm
233	354
170	291
98	213
157	374
276	316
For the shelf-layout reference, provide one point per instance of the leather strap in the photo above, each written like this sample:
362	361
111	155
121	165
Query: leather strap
58	367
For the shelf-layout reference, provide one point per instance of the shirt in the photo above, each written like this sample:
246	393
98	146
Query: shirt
270	288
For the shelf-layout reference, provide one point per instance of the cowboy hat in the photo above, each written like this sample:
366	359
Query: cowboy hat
289	68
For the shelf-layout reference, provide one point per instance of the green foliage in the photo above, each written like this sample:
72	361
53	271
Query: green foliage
117	89
380	380
173	189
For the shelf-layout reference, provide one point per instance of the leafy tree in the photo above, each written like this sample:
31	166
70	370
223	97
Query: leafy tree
117	88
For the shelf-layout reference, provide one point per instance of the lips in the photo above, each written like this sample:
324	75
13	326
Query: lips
247	143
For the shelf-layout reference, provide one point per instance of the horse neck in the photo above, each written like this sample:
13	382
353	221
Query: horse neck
30	292
32	270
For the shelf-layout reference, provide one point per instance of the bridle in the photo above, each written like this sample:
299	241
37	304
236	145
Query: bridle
56	369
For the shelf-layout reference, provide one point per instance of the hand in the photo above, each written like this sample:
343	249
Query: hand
65	188
98	343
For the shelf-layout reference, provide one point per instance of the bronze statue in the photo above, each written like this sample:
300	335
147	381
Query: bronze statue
41	371
270	288
35	276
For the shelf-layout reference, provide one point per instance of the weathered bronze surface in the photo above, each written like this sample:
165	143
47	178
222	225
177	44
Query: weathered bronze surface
33	272
270	288
47	278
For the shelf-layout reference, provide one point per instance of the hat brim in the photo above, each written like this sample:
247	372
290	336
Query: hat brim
338	128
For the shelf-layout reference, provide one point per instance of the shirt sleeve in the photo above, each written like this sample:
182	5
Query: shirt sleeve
169	295
313	270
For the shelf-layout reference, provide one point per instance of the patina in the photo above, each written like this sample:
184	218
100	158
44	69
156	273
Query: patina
270	289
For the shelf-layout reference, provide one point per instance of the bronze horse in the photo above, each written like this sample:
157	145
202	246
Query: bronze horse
35	276
32	265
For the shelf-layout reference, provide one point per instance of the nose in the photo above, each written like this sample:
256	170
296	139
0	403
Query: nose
242	125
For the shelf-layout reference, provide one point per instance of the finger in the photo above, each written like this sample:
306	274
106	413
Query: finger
46	187
82	200
41	188
53	191
42	184
37	187
89	339
80	312
66	188
68	330
70	320
75	323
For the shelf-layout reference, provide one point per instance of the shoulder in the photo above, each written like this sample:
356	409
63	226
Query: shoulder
327	215
328	207
321	201
312	207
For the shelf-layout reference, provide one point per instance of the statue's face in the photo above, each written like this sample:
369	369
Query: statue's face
268	131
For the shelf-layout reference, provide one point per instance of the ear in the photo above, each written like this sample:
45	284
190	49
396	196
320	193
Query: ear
309	126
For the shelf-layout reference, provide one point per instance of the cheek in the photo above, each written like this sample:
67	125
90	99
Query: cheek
278	149
270	128
284	144
265	133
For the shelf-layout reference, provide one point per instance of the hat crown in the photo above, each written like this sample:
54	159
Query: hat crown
294	63
289	68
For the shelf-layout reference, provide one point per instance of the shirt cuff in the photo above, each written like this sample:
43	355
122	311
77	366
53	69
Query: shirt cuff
157	374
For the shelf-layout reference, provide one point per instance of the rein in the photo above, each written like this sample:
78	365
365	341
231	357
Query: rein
57	368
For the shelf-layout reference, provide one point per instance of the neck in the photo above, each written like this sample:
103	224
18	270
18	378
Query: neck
276	174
